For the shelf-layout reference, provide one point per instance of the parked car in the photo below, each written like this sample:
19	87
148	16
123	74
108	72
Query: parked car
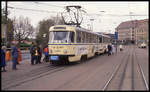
142	45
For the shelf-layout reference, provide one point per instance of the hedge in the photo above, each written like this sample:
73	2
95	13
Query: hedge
25	45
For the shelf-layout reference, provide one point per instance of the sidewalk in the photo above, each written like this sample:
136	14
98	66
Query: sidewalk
24	66
23	69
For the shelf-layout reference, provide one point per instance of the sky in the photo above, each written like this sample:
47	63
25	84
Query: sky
103	21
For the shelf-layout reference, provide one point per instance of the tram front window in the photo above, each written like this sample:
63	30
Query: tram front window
61	37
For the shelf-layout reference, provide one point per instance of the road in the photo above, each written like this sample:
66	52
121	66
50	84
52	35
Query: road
94	74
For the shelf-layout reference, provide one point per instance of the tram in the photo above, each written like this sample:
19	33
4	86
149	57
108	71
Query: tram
104	40
70	44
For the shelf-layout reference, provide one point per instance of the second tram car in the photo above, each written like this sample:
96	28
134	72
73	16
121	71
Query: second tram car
104	40
70	44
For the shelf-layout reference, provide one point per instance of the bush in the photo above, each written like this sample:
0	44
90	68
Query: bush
24	46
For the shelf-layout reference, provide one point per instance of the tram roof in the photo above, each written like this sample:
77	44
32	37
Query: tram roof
103	35
77	28
85	30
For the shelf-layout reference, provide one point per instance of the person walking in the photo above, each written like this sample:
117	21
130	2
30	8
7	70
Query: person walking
36	54
3	61
46	53
32	52
8	55
109	49
19	55
39	54
14	56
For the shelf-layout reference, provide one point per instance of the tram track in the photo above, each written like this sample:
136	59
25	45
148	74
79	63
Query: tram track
30	76
140	70
91	69
132	74
114	80
128	75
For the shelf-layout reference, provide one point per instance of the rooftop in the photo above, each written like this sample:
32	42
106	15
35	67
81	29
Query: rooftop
130	24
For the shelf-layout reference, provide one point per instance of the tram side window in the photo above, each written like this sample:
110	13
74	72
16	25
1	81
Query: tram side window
93	38
90	38
106	40
103	39
100	39
78	37
86	37
82	37
96	39
71	37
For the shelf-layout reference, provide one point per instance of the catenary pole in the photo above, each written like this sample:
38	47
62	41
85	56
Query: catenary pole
5	43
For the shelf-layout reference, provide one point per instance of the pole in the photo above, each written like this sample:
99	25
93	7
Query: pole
91	24
116	40
116	46
5	24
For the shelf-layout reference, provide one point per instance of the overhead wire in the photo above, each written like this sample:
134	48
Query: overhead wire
32	9
49	5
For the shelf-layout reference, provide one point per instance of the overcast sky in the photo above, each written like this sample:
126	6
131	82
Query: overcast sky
103	22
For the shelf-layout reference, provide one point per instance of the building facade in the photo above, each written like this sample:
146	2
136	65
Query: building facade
132	31
112	36
142	31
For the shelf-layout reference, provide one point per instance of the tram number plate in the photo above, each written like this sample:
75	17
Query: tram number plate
54	57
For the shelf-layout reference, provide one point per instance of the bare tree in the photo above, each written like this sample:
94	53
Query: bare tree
22	28
42	36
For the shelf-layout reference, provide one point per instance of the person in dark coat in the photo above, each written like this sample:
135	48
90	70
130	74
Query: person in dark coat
39	51
14	56
3	61
109	49
32	52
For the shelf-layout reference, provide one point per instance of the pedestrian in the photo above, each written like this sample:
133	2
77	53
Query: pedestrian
109	49
8	55
32	52
113	49
46	54
3	61
36	54
19	55
120	47
14	56
39	54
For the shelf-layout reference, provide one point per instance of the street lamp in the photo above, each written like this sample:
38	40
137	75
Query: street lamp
5	43
88	26
102	12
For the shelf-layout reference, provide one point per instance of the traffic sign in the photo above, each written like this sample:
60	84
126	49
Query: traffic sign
116	35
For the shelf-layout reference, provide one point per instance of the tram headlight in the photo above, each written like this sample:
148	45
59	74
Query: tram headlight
65	51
